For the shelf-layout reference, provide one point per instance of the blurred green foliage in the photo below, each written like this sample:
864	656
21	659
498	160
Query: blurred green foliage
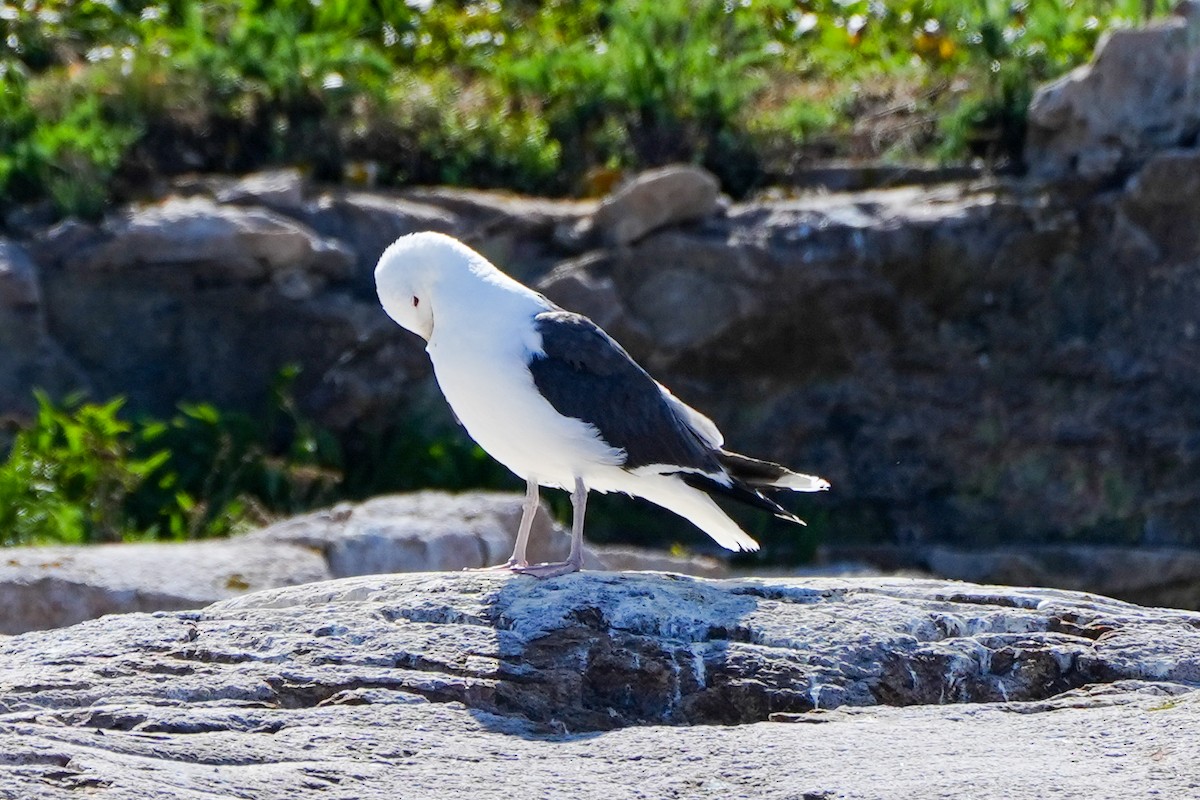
68	474
82	472
536	96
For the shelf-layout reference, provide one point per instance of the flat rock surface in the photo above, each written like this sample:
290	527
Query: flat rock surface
48	587
596	684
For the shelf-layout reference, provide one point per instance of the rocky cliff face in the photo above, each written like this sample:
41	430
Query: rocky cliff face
492	684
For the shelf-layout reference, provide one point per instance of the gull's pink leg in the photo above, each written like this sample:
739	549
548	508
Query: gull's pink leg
574	561
528	510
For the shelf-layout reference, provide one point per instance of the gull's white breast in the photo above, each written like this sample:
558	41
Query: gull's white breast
486	381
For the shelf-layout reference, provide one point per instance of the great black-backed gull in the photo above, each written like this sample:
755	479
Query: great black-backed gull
554	398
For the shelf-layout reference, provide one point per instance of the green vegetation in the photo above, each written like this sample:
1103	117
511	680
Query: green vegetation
84	472
552	96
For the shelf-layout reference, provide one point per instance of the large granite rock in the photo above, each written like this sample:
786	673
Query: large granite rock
216	244
192	300
656	199
1140	94
422	532
282	190
50	587
486	684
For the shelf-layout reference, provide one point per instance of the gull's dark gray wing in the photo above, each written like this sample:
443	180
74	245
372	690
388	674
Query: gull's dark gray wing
585	374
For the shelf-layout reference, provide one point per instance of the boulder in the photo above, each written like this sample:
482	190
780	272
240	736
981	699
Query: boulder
429	531
656	199
280	190
1139	94
421	532
189	300
809	285
442	683
50	587
215	243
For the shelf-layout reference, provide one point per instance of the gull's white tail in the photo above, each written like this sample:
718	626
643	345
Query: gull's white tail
694	505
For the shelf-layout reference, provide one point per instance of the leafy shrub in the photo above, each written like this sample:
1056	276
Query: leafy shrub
640	83
75	157
68	475
438	130
84	472
81	473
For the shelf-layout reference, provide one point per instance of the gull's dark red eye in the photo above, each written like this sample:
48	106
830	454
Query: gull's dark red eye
416	301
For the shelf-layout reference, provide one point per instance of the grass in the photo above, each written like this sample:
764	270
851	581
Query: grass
96	98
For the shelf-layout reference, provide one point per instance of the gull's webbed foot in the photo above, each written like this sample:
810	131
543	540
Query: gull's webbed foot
511	564
549	570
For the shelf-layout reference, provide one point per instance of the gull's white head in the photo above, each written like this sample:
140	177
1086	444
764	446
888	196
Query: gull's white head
412	270
426	278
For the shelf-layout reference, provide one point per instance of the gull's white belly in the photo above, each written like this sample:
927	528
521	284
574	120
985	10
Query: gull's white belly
494	397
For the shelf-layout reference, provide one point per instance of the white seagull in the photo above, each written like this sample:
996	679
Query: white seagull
554	398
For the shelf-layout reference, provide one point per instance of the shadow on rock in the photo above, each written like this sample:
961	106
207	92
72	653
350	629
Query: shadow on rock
602	651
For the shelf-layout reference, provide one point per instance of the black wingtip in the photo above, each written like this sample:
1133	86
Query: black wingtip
740	492
751	471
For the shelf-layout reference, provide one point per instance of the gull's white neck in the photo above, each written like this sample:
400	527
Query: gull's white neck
481	307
